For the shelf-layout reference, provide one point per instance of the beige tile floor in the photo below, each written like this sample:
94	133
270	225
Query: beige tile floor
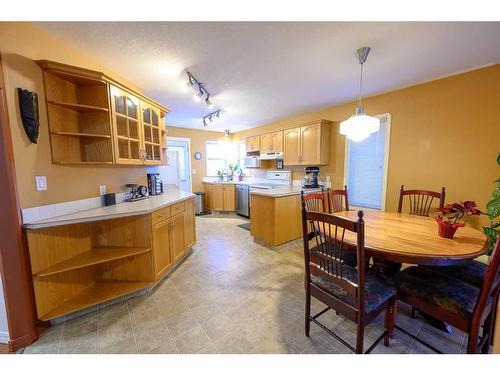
229	296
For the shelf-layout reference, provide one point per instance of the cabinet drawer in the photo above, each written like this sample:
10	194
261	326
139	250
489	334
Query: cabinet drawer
160	215
178	207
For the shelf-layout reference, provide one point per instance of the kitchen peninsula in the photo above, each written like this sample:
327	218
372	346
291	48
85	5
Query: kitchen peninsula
89	257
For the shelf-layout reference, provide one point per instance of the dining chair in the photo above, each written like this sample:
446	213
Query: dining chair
420	201
315	202
357	294
447	298
338	200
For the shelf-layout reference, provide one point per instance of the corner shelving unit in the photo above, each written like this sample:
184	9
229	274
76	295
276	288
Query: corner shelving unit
79	115
80	265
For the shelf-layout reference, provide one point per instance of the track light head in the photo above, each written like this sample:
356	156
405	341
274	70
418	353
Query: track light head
210	105
204	122
197	97
227	132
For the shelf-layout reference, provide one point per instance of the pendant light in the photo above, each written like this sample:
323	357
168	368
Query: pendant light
360	125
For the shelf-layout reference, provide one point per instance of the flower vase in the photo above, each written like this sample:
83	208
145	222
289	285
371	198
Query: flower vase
446	229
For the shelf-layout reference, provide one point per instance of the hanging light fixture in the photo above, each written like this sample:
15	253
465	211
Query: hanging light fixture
211	117
360	125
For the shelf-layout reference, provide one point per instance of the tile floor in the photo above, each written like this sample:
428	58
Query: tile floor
229	296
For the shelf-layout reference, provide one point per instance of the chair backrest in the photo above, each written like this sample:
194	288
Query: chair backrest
420	201
338	200
315	202
490	288
324	257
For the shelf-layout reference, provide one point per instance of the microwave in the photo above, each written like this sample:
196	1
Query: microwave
251	162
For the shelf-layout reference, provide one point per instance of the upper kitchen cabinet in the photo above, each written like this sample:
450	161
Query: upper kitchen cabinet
307	144
94	119
271	142
253	143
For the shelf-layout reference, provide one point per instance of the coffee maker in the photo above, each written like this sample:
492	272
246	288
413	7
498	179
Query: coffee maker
310	179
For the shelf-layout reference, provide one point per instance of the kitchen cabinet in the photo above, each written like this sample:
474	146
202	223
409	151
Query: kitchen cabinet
271	142
75	266
161	245
220	196
253	143
307	144
94	119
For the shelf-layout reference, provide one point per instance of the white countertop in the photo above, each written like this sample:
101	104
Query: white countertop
124	209
282	191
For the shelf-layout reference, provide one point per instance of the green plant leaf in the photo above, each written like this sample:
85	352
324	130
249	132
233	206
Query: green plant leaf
493	208
498	159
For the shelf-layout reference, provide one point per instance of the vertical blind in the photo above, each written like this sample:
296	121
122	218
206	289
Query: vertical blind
365	169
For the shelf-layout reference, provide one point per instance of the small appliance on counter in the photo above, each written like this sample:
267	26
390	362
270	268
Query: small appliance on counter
136	192
310	180
155	184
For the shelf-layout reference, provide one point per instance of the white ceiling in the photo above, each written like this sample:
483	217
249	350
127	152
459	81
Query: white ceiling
260	72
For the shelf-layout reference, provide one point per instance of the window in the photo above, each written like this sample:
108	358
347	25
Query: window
366	168
241	153
217	157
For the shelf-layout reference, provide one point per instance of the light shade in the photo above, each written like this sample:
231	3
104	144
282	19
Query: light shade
359	127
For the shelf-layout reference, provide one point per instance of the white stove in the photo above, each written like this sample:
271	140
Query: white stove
274	179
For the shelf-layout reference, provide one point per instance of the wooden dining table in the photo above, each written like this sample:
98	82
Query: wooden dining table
404	238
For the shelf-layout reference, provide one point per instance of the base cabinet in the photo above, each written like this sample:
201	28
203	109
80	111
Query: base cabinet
219	196
178	237
161	246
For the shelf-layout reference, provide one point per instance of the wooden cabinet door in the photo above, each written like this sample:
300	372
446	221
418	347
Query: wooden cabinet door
310	144
127	132
229	198
189	224
209	195
161	247
178	237
266	143
252	143
218	200
291	146
151	134
277	141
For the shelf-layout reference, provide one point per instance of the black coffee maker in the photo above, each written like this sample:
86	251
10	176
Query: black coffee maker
310	179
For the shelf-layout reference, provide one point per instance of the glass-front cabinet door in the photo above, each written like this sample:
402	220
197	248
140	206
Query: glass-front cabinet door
126	121
152	130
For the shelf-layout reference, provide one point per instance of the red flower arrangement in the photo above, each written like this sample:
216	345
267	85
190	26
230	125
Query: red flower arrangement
452	217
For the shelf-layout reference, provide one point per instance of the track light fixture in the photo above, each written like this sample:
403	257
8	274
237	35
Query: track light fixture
211	117
200	92
227	132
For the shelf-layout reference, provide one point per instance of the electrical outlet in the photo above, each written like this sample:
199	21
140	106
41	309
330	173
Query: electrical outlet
41	183
102	189
194	171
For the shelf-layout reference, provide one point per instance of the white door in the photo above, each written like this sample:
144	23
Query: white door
181	146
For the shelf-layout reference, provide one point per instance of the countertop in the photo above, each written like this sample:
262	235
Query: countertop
123	209
282	191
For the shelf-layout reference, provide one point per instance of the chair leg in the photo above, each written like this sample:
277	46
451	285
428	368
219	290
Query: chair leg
488	330
360	338
308	311
472	341
413	313
390	321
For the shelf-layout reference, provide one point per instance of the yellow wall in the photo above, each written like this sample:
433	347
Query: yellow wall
443	133
20	45
198	139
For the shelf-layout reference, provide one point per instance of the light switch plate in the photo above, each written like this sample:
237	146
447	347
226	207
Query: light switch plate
102	189
41	183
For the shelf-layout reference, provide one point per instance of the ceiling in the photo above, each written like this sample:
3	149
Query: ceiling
258	72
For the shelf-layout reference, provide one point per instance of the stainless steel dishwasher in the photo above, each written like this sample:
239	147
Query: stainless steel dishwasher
243	200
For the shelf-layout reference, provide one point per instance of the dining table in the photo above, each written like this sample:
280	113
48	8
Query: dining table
393	238
404	238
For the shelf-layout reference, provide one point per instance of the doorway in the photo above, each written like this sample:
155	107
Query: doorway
182	146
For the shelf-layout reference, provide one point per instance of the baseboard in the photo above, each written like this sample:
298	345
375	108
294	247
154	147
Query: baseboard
21	342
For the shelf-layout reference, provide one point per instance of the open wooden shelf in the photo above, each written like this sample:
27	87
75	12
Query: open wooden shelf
99	292
91	258
78	107
82	135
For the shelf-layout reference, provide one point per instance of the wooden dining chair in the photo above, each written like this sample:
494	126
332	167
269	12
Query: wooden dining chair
338	200
315	202
454	301
354	292
420	201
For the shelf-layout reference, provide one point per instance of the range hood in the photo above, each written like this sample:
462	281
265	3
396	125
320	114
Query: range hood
271	155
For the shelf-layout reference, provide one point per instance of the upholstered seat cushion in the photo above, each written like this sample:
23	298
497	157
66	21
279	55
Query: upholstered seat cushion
377	291
470	271
439	289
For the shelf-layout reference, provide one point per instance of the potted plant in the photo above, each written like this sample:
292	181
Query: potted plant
454	216
240	173
493	212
